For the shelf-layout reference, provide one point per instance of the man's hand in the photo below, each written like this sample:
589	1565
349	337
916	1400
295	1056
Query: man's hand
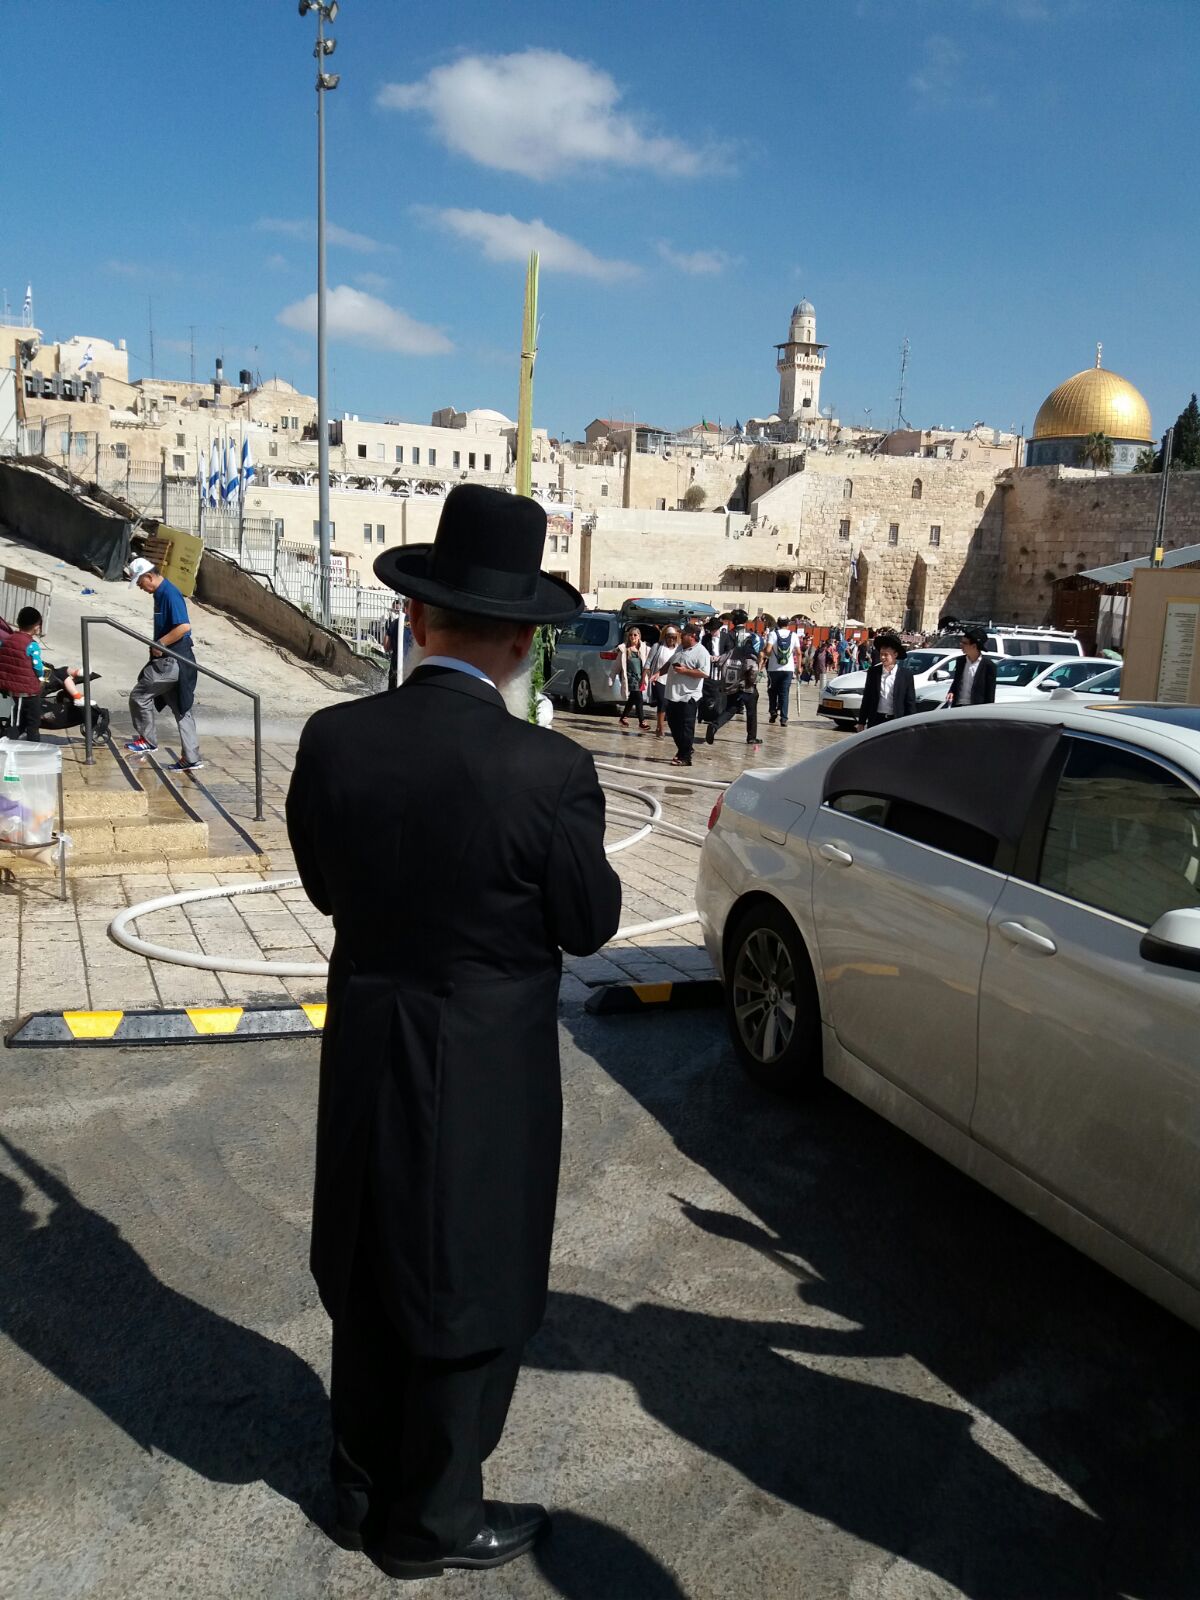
155	651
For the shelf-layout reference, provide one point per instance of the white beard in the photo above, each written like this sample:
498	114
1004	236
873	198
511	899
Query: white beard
515	692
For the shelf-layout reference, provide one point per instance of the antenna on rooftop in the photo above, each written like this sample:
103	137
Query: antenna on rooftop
192	347
150	319
901	419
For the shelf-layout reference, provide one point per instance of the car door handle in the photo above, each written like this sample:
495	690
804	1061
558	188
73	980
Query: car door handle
1017	933
839	858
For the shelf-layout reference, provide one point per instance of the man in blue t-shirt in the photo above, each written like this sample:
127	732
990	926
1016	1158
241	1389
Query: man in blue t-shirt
165	680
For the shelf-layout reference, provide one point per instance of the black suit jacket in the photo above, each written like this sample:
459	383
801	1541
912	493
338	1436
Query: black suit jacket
904	693
983	690
459	851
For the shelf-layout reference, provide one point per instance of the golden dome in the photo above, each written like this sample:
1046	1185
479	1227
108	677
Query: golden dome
1094	401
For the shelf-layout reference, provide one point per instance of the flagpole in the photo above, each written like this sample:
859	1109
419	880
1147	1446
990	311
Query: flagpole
241	502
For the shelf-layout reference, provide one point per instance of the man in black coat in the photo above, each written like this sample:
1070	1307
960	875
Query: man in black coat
889	691
974	682
459	850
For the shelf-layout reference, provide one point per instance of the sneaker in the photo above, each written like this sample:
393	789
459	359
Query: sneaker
185	766
141	747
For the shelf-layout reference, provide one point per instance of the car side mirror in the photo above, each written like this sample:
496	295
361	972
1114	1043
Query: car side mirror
1174	940
938	675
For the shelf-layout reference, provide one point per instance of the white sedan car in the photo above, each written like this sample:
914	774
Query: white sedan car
986	926
1018	678
842	699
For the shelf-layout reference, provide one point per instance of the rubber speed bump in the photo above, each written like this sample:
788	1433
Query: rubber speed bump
628	999
187	1025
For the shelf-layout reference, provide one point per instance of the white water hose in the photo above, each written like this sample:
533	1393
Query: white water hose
120	929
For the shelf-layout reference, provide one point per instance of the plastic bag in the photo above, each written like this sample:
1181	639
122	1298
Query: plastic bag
29	775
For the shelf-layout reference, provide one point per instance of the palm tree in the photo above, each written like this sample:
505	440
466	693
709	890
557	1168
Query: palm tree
1097	452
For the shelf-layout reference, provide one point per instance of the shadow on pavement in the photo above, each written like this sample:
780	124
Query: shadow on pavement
589	1560
1091	1381
230	1404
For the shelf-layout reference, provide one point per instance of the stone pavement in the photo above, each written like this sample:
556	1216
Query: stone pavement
58	956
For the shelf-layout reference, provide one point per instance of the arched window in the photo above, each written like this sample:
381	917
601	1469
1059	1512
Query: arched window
979	501
848	489
916	489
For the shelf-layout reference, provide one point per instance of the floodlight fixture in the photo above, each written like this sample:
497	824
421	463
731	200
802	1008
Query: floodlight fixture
306	6
328	46
328	80
331	11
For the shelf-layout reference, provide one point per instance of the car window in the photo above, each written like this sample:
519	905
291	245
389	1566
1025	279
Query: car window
1123	834
922	660
1071	673
571	635
1017	672
596	630
921	824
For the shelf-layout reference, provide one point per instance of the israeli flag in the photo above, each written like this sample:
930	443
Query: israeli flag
201	480
214	474
88	358
853	569
248	473
230	489
28	306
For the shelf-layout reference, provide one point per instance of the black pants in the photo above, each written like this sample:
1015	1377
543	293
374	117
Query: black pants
779	690
28	722
681	719
411	1433
745	699
636	702
874	721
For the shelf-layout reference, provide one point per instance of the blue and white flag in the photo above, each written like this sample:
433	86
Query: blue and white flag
853	569
214	474
201	480
230	487
248	473
27	308
88	358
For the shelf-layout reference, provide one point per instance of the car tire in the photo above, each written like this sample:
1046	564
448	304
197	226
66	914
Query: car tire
581	693
765	956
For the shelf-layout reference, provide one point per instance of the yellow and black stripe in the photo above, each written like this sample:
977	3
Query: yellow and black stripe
627	999
188	1024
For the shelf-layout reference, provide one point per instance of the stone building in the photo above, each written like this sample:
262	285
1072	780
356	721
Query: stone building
800	361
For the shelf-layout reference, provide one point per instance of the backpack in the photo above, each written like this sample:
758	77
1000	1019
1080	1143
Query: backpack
784	645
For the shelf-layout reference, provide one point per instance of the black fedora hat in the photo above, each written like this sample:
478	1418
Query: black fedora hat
485	560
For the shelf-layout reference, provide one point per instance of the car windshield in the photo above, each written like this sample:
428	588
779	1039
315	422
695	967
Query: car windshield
1016	673
1107	683
922	660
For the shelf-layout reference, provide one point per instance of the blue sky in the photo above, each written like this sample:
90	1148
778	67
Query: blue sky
1004	182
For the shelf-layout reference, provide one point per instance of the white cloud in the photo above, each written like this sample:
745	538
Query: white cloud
539	113
357	318
276	262
939	79
699	263
375	281
303	228
507	238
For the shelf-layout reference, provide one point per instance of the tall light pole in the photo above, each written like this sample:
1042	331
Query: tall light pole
326	11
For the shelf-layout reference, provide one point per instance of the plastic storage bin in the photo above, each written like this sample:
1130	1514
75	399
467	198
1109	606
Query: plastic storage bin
29	775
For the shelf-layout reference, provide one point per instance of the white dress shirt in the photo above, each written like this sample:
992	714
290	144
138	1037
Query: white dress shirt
887	688
967	687
456	665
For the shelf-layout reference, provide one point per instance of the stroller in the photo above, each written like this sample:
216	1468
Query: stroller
62	701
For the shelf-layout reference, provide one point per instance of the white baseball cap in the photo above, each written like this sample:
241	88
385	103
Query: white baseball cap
138	569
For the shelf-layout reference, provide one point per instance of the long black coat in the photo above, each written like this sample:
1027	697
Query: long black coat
983	690
904	692
459	851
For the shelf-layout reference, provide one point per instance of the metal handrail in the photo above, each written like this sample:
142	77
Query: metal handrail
110	622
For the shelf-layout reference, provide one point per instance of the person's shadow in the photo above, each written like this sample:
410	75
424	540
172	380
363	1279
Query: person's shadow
230	1404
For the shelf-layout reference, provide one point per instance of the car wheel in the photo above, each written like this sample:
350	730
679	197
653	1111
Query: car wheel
581	696
771	1002
846	727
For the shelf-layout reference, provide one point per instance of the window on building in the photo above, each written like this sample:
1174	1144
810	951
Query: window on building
553	544
470	458
844	528
935	533
178	462
979	501
379	533
916	489
367	531
293	422
180	439
416	455
272	448
848	489
279	527
487	463
893	533
604	489
564	544
789	550
170	399
362	450
433	458
120	451
400	454
457	458
662	505
380	452
332	531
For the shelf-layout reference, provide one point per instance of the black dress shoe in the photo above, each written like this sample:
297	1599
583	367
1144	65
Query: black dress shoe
508	1531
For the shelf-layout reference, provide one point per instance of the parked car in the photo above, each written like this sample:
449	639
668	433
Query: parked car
585	667
842	699
1107	684
1018	678
650	613
1015	641
986	926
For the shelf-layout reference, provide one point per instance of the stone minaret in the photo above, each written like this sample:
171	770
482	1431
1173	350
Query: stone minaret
800	364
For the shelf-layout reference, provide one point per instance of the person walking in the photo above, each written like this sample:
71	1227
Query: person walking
659	659
165	681
689	668
391	642
439	1116
890	691
21	673
781	669
632	657
974	681
737	674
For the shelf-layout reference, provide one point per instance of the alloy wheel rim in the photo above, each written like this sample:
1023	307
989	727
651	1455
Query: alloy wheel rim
764	995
